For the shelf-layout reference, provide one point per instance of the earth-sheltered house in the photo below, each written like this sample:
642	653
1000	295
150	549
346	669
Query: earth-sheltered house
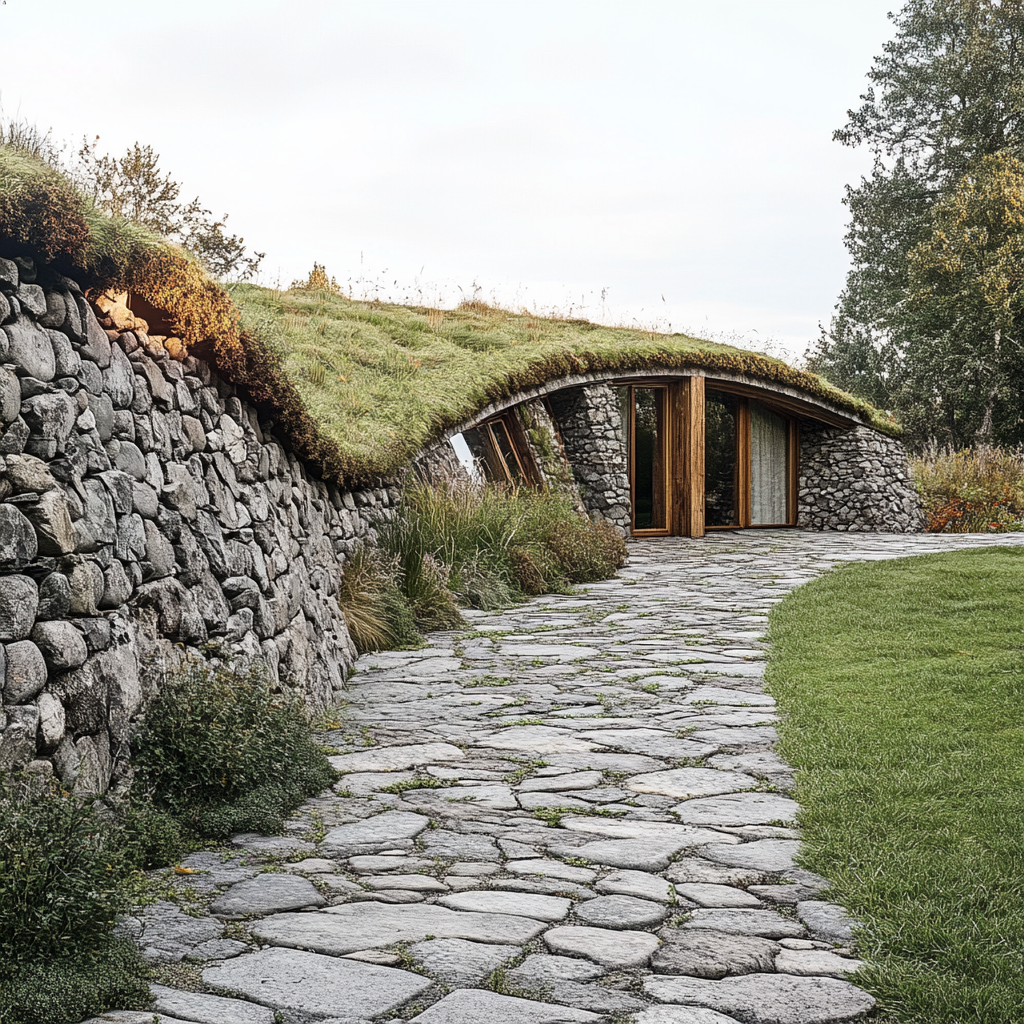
186	466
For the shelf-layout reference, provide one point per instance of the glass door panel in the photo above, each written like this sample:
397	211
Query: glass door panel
721	506
769	469
650	507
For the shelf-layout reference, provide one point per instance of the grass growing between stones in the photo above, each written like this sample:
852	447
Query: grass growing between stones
901	685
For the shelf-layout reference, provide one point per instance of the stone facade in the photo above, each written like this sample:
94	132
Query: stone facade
594	437
145	511
855	480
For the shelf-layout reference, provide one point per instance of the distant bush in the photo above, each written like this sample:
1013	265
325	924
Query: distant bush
489	547
65	876
220	753
972	491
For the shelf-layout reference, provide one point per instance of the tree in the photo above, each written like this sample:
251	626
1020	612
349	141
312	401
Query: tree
947	91
133	187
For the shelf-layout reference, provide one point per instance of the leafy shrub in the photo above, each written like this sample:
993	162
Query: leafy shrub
972	491
64	879
376	612
221	753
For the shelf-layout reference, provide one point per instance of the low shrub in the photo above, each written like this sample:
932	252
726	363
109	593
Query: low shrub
972	491
221	753
64	878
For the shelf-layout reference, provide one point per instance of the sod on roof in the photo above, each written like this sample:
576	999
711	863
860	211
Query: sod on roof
355	388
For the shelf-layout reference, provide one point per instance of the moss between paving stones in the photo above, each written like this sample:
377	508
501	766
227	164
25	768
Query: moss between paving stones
356	388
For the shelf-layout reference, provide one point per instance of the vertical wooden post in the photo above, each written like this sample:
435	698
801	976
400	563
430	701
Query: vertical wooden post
743	463
691	457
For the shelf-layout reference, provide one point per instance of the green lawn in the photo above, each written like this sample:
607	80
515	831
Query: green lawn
902	687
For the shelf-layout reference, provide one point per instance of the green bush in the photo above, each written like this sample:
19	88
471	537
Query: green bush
221	753
489	547
64	879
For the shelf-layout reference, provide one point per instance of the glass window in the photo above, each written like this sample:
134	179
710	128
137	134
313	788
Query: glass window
720	463
769	467
650	511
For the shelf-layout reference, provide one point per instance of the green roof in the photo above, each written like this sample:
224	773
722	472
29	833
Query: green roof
355	388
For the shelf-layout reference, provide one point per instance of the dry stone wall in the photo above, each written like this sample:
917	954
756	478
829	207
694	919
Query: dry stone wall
855	480
145	510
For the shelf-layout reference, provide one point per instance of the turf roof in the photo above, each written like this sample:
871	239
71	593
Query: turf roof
355	388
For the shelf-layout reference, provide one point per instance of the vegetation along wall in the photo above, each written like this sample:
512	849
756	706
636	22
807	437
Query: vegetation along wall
145	511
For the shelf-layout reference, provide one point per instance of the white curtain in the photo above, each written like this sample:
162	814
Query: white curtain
768	457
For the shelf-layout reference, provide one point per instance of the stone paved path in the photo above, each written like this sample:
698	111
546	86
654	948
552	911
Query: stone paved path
571	811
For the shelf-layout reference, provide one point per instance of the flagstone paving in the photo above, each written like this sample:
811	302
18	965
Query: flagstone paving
569	811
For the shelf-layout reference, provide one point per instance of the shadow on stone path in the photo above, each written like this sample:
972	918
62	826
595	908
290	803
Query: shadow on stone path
571	811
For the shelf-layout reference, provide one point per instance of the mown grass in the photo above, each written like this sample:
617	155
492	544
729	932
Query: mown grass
902	686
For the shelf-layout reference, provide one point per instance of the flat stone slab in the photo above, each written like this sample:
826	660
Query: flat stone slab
291	979
619	828
621	912
707	894
537	739
561	783
391	759
544	968
761	854
728	697
636	883
381	828
706	954
494	797
685	783
651	741
550	869
479	1006
165	934
681	1015
813	962
737	809
206	1009
602	945
768	998
410	883
697	869
456	846
459	963
640	854
826	920
521	904
738	921
356	926
268	894
606	762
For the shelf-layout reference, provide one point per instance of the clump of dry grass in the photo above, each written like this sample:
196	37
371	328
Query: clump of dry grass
978	490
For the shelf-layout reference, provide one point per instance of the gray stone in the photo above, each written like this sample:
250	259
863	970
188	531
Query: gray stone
62	646
52	722
130	460
640	854
353	926
29	474
479	1006
815	963
54	597
536	739
67	362
618	911
387	759
697	869
119	379
290	979
30	350
206	1009
761	854
542	908
636	883
768	998
681	1015
50	417
604	946
737	809
551	869
684	783
408	883
455	846
18	544
18	741
708	954
31	298
10	396
561	783
165	934
706	894
19	599
267	894
740	921
459	963
49	515
826	920
380	830
603	761
540	969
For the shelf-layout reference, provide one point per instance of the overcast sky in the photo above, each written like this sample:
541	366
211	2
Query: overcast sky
675	155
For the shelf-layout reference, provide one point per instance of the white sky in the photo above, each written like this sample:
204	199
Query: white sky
544	149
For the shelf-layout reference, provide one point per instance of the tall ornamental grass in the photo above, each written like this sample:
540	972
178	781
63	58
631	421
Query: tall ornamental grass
978	490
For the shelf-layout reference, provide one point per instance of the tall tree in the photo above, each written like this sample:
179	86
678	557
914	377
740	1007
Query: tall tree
947	90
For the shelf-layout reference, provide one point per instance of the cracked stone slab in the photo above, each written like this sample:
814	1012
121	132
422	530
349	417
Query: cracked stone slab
378	830
643	884
165	934
292	979
651	741
761	854
706	894
479	1006
606	762
459	963
617	828
815	962
697	869
544	968
739	921
457	846
206	1009
356	926
706	954
550	869
686	783
768	998
561	783
267	894
621	912
602	945
390	759
640	854
737	809
682	1015
537	739
520	904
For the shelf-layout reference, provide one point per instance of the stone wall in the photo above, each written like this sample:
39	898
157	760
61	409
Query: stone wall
145	511
855	480
594	437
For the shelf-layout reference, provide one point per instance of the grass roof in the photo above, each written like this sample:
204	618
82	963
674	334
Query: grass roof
355	388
